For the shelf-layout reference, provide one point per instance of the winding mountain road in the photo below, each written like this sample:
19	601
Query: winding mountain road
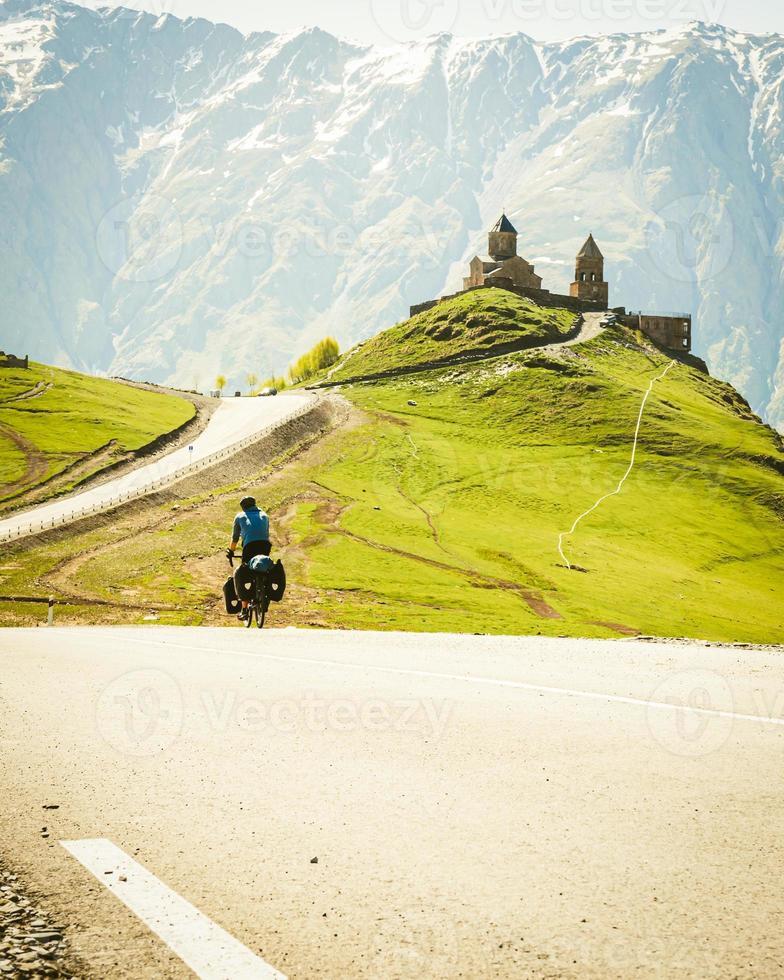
590	330
363	805
235	422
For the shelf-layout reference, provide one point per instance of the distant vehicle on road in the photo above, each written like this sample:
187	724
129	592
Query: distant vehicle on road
267	392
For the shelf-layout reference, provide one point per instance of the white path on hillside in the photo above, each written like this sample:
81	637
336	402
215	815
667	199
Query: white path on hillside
235	422
591	328
623	479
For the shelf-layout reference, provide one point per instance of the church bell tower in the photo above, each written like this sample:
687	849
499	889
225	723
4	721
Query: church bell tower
589	283
502	240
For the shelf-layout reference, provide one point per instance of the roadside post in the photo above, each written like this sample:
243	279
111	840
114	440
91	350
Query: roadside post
190	455
50	612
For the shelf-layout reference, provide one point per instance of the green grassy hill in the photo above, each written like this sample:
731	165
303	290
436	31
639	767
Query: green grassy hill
475	322
439	507
58	427
446	514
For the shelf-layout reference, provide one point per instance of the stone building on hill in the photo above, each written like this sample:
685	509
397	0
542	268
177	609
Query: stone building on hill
504	265
503	268
11	361
589	282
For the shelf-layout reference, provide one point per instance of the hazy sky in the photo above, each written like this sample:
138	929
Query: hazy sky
385	20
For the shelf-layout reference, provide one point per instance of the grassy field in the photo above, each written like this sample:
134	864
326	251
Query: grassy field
450	510
445	514
474	321
56	423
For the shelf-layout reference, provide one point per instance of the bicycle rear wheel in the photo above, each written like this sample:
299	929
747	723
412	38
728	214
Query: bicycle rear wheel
262	602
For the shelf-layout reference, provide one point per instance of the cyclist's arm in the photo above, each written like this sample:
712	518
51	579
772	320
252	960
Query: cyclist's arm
235	536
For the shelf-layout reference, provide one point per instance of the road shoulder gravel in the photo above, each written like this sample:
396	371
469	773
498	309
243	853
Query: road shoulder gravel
32	943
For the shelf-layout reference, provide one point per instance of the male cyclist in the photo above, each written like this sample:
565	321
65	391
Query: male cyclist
251	526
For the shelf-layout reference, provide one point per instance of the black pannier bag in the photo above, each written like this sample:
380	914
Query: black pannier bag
277	581
233	604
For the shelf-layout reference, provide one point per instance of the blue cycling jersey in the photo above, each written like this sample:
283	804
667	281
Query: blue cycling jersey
250	525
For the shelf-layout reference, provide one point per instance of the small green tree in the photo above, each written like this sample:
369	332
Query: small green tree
322	356
220	382
301	369
253	380
326	352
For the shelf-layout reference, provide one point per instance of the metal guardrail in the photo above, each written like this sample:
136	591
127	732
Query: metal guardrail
37	599
675	316
143	491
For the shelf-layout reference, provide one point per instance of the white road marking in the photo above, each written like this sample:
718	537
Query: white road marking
617	490
207	949
477	679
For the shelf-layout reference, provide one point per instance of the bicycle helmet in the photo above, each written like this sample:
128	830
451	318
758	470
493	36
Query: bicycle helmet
248	503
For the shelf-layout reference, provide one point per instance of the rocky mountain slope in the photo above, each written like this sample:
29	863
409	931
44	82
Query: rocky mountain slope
179	199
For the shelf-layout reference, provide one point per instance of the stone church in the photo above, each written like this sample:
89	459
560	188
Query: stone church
503	268
504	265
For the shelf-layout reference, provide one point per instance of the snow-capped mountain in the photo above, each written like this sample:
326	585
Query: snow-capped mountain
178	199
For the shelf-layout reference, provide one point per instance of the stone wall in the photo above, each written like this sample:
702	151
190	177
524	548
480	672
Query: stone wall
543	297
10	361
421	307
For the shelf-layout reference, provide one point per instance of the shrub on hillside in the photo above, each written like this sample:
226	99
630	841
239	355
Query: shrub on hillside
322	356
278	383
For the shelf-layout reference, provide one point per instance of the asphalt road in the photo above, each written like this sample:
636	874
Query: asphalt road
234	420
479	807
